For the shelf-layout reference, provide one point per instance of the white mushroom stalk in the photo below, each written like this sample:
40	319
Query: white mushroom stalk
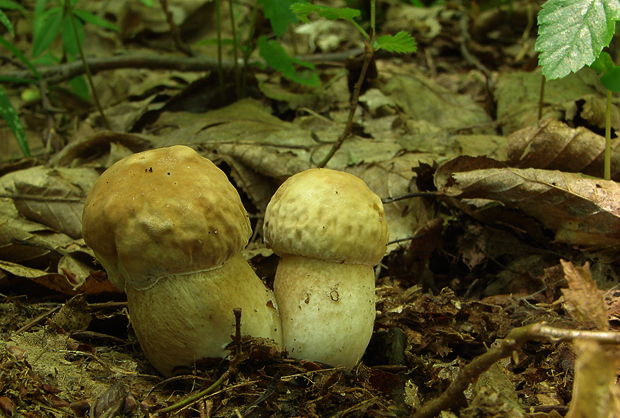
168	227
329	230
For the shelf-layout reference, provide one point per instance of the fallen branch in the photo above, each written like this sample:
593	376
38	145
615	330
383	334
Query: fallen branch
58	73
470	373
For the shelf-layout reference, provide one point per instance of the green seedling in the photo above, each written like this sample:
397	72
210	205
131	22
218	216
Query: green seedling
571	35
7	111
610	79
402	42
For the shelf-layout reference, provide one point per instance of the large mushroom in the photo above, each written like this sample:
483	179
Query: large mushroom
168	227
329	230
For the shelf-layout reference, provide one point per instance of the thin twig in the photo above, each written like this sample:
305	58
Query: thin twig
37	320
89	76
504	348
54	74
175	31
354	102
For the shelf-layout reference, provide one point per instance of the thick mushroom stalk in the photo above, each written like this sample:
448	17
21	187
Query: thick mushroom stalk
168	227
329	230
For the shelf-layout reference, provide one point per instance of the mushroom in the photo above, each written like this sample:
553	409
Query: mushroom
329	230
168	227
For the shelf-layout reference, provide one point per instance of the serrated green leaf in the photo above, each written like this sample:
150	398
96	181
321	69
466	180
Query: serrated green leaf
51	21
302	10
276	57
603	63
611	80
8	113
95	20
6	22
279	14
401	43
572	33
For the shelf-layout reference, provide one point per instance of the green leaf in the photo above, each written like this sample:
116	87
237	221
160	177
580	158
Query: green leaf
95	20
11	5
18	80
276	57
21	56
402	43
48	31
572	33
6	22
69	41
611	80
302	10
8	113
603	63
149	3
79	86
279	14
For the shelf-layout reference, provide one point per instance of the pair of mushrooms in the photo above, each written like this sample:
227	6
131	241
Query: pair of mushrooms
168	227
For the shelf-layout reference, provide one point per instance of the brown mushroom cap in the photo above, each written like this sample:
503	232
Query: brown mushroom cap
327	215
163	212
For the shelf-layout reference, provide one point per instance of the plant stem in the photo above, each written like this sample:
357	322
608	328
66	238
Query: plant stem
234	36
220	69
248	49
87	70
541	97
354	102
607	174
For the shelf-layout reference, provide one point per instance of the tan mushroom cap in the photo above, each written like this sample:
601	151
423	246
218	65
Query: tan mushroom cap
327	215
163	212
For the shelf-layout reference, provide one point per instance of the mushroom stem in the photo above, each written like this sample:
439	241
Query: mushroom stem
327	309
175	307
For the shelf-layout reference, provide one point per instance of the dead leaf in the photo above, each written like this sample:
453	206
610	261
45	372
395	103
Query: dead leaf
553	145
595	394
583	298
53	197
580	209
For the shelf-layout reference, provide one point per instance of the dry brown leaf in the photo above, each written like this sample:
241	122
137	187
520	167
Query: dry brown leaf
53	197
583	299
595	394
580	209
553	145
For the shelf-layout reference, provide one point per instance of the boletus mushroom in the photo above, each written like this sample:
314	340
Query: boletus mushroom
329	230
168	227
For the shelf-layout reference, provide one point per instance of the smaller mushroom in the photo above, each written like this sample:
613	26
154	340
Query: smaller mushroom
329	230
168	227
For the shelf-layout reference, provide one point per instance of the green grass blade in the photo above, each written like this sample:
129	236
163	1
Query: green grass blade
8	113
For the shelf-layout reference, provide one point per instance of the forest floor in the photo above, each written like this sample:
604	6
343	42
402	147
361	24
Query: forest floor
492	228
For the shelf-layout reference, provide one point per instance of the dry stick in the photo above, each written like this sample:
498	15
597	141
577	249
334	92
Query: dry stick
175	31
354	102
89	76
470	373
232	368
54	74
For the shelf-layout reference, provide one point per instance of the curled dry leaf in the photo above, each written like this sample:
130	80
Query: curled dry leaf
583	299
595	393
580	209
553	145
53	197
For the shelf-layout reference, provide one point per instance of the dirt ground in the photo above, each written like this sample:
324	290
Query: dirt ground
492	226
